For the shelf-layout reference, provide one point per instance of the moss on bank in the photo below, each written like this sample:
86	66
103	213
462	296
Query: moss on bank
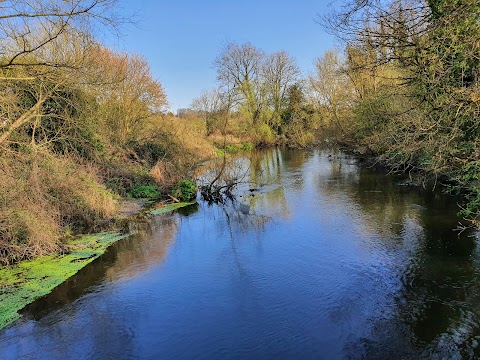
27	281
23	283
170	207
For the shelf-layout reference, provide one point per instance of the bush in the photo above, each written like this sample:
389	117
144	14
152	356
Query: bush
41	195
150	151
185	190
219	153
231	149
247	146
264	135
145	192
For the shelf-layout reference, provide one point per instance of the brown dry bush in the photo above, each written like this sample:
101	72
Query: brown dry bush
184	145
166	174
220	140
41	196
76	192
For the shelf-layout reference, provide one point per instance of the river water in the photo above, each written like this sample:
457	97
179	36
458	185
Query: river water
325	259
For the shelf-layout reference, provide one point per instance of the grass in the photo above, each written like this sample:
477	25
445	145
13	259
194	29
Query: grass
27	281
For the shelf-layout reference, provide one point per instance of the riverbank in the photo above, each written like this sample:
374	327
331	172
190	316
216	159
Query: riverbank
463	186
32	277
24	282
29	280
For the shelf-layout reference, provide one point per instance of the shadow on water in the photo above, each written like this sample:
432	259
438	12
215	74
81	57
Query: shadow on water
437	312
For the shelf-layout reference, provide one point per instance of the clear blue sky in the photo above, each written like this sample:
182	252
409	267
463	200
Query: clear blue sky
181	38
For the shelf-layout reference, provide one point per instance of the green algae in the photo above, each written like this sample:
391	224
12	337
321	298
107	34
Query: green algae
27	281
170	207
23	283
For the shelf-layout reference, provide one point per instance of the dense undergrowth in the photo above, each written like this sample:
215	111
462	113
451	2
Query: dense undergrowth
406	88
48	195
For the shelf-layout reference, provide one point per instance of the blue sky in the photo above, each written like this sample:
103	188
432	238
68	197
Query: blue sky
181	38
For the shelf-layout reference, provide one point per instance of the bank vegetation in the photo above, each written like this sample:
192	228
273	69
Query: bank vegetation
405	87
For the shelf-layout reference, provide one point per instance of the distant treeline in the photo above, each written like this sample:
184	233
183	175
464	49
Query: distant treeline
404	87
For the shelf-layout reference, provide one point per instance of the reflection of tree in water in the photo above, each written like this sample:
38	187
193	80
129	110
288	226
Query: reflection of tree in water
438	299
266	171
271	171
237	230
379	197
125	259
431	274
441	290
148	247
294	159
260	178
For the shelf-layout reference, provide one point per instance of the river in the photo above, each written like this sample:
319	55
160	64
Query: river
326	258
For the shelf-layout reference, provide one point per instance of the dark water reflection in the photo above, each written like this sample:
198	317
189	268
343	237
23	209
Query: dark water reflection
332	260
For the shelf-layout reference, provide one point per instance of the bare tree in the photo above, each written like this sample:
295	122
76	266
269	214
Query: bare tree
331	88
134	95
280	71
26	26
209	104
390	31
239	71
44	45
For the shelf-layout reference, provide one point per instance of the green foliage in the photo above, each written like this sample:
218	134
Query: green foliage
247	146
185	190
470	179
416	81
149	151
116	185
230	149
371	115
164	209
67	126
264	135
145	192
72	141
234	148
30	280
122	175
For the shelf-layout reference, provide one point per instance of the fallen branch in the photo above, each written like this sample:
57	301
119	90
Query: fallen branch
173	198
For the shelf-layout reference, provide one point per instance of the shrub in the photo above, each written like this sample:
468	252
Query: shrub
185	190
41	194
145	192
231	149
264	135
150	151
247	146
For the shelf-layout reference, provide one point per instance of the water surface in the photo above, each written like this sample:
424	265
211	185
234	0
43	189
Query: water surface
332	260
